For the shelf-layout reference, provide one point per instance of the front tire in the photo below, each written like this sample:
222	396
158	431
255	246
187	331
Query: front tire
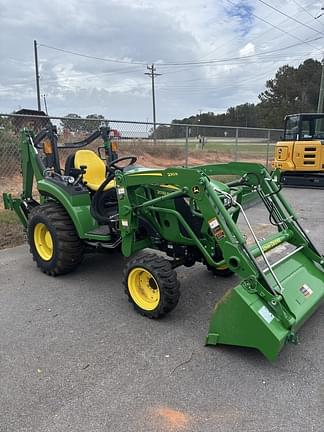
53	240
151	285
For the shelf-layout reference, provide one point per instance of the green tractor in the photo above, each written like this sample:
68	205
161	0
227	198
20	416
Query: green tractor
102	202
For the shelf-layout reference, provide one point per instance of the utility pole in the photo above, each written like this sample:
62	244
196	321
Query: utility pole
37	77
321	92
152	73
45	103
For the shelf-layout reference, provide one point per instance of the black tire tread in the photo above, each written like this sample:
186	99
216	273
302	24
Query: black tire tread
166	278
71	249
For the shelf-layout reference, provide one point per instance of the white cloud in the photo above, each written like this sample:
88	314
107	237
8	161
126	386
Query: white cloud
247	50
145	31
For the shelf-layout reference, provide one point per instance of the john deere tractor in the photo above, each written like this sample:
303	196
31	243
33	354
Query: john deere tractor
103	202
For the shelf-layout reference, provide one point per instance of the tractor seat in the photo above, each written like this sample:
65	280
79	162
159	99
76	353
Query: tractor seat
96	170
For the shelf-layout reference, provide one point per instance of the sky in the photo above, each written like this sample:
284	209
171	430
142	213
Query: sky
211	54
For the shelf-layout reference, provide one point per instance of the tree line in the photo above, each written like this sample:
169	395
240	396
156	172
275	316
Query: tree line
292	90
75	123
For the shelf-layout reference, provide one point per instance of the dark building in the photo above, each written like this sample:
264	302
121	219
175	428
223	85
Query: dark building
27	120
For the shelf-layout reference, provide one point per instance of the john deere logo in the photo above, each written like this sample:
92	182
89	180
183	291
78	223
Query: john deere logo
195	189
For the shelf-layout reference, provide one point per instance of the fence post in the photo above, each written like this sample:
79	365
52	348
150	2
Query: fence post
236	143
187	147
268	148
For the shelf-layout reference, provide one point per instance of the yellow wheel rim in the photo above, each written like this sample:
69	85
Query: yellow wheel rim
143	288
43	241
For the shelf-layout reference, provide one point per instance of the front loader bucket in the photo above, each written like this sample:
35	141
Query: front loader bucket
244	318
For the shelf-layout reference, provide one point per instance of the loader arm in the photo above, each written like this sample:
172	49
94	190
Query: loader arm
269	305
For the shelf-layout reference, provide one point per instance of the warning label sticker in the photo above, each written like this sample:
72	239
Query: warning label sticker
121	191
216	229
266	314
124	223
306	290
218	233
213	223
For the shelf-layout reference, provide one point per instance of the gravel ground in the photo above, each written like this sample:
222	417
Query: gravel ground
74	355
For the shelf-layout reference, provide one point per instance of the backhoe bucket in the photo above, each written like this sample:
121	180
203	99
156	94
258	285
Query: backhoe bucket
244	317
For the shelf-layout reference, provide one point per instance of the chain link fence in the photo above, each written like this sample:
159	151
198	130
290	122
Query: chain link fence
167	145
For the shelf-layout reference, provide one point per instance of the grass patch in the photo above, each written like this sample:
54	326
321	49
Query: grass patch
8	217
175	149
138	148
11	230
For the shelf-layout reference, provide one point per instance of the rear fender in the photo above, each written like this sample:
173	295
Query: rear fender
77	206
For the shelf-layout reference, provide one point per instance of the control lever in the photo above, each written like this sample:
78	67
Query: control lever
49	172
83	170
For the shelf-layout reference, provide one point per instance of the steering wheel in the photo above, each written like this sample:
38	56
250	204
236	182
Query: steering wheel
95	203
113	164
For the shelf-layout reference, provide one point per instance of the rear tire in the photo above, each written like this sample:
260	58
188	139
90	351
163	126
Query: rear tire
151	285
53	240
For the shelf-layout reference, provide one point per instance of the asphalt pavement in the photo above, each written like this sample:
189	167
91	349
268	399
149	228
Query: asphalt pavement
75	356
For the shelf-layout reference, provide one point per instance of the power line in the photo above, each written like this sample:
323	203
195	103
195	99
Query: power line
201	82
182	82
290	17
194	63
28	83
117	71
208	87
110	60
208	62
280	24
235	38
174	70
304	9
240	60
194	90
277	27
186	69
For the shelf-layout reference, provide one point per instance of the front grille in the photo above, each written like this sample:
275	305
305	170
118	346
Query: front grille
308	162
